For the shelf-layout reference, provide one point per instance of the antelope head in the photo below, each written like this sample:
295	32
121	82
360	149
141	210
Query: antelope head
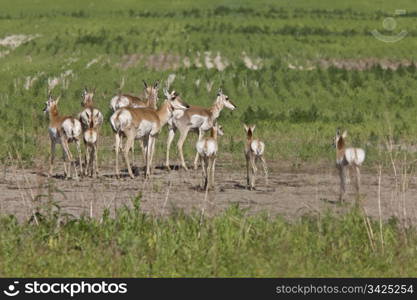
219	129
151	91
87	97
224	100
339	140
175	100
51	103
249	129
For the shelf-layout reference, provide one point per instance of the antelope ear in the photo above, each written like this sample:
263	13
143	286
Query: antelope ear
144	83
344	134
156	84
253	127
337	132
246	127
57	99
219	91
166	93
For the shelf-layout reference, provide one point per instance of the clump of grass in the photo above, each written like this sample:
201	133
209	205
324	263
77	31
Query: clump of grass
230	244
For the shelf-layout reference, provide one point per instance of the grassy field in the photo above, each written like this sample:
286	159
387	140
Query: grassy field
230	244
297	111
297	69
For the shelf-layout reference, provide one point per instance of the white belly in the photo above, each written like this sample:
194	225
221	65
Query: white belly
202	122
145	127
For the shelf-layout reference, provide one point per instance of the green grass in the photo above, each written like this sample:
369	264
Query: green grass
230	244
296	111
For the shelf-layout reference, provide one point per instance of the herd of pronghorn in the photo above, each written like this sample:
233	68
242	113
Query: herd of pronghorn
141	119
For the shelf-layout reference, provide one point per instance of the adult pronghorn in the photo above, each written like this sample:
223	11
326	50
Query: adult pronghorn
126	100
207	151
63	130
254	150
347	157
91	119
195	118
143	123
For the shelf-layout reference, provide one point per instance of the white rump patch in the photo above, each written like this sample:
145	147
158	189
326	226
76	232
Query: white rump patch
71	128
118	102
85	118
355	156
206	147
120	120
90	136
257	147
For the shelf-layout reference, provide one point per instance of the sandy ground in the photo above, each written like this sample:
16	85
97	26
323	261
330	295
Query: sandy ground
290	193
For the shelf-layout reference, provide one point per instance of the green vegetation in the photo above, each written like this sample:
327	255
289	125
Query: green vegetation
296	110
230	244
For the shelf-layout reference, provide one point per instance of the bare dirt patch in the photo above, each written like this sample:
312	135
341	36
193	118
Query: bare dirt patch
289	193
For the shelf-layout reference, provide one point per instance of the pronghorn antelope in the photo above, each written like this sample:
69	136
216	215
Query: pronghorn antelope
207	151
90	137
90	113
143	123
254	150
63	130
126	100
347	157
91	119
195	118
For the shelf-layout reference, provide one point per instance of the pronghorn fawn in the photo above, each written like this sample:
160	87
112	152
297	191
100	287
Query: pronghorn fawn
127	100
195	118
90	137
91	119
143	123
347	158
207	151
90	113
254	150
63	130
